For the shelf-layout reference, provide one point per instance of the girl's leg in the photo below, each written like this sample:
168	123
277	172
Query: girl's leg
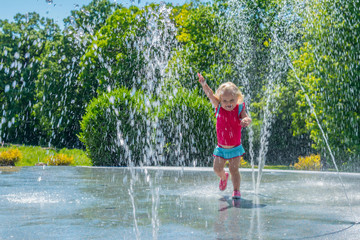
234	171
219	165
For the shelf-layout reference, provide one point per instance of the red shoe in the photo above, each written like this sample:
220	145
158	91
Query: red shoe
223	183
236	194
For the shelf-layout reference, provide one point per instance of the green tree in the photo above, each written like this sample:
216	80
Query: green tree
112	59
90	18
22	50
123	48
202	48
327	68
62	98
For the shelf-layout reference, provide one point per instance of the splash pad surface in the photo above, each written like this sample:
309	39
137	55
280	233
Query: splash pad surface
174	203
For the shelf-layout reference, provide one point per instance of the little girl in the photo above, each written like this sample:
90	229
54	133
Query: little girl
230	118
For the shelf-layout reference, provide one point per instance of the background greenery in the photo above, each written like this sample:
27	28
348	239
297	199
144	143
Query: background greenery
114	127
56	84
33	155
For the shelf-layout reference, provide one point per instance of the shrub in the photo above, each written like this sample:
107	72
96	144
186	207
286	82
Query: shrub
115	128
80	157
244	163
10	157
187	129
123	127
312	162
59	160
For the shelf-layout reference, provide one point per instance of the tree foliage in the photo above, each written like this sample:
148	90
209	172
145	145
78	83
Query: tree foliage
202	47
326	67
62	97
23	46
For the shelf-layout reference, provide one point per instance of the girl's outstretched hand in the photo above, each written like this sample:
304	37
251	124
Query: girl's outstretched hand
201	79
245	122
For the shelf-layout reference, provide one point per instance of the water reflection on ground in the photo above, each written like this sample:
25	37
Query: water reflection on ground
173	203
239	203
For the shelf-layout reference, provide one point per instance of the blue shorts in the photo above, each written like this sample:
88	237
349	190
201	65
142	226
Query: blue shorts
229	153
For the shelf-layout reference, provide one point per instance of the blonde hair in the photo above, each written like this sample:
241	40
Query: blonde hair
229	86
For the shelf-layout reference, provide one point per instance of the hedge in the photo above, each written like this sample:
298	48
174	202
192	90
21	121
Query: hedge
124	128
187	125
114	128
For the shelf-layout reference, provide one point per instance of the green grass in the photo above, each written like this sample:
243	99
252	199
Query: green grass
33	155
275	167
278	167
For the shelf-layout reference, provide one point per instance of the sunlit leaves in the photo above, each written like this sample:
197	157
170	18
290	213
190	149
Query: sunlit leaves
327	67
202	47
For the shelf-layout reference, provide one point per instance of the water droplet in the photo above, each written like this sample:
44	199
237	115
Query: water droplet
133	90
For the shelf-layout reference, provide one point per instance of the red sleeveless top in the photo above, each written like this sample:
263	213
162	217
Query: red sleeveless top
228	128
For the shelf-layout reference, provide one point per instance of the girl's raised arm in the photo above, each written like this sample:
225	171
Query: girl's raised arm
208	91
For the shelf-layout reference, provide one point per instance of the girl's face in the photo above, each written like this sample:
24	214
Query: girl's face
228	100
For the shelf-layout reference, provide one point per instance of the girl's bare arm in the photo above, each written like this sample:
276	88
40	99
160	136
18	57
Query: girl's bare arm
208	91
